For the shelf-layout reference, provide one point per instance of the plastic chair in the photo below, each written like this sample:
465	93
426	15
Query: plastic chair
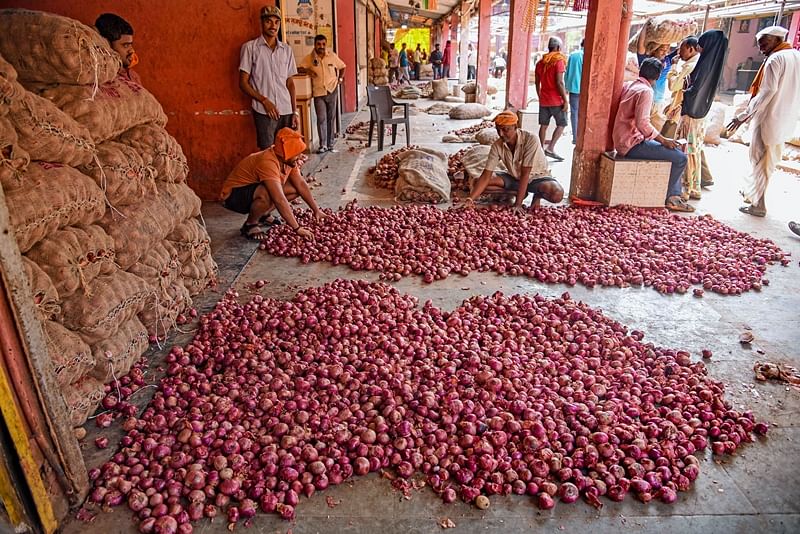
381	106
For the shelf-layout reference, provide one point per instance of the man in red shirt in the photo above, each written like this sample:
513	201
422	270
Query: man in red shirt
635	137
553	100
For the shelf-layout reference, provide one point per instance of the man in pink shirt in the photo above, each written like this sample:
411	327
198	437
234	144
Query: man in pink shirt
636	138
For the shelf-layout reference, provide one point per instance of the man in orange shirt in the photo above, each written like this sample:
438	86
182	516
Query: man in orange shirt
268	180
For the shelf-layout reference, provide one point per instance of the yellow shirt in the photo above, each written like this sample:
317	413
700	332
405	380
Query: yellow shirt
258	167
325	74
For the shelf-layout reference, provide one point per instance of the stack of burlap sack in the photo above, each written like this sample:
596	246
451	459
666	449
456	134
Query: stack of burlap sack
663	30
97	197
378	73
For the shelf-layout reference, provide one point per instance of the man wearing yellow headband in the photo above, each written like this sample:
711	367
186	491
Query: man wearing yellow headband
269	180
521	153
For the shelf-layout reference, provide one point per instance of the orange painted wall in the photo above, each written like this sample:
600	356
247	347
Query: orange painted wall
189	57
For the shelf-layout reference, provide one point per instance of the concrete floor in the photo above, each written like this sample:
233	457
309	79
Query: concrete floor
756	490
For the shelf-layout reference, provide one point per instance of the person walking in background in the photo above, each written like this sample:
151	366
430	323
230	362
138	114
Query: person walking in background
635	136
446	58
404	75
773	111
327	72
553	99
394	64
645	50
572	79
499	66
700	88
472	63
436	61
417	61
266	68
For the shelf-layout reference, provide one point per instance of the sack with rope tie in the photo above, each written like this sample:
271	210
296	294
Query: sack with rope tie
70	355
115	355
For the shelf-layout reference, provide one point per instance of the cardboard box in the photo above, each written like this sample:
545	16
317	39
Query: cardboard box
302	86
634	182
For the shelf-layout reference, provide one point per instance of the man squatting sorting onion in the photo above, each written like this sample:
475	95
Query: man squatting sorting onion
521	153
269	180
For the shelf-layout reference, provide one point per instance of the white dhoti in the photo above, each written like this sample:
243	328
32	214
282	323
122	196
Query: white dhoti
764	159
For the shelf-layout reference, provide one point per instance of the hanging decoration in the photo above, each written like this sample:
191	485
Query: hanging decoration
529	20
546	16
580	5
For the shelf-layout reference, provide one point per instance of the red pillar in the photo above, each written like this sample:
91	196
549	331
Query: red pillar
603	69
484	27
345	30
455	22
518	63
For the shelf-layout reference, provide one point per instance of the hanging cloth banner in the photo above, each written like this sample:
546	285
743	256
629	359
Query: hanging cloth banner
529	20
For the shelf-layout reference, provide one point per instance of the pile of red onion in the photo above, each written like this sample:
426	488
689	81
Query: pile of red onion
386	172
608	246
459	181
472	130
275	400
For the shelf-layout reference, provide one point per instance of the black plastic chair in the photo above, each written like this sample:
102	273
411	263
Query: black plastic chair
381	112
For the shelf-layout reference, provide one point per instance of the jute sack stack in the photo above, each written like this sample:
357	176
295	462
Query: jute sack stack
49	48
74	256
44	293
190	240
48	133
71	356
199	274
663	30
159	149
121	173
378	74
54	196
159	267
111	300
82	398
8	89
14	160
115	355
117	106
162	317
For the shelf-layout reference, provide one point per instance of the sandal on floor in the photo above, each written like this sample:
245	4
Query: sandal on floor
553	155
794	227
751	210
694	196
269	220
678	204
744	198
706	184
247	231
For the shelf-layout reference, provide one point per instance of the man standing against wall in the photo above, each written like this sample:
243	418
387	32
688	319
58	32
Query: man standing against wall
552	95
266	68
327	72
573	82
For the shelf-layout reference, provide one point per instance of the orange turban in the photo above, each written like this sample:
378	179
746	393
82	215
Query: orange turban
289	143
506	118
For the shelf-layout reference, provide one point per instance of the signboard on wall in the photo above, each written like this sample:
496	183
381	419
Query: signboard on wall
303	20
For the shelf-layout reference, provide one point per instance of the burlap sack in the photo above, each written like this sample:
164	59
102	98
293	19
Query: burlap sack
112	299
159	149
49	48
454	99
663	30
422	172
8	89
715	123
136	228
469	111
190	240
409	92
380	80
440	89
82	398
377	63
74	256
117	106
439	109
487	136
70	355
57	196
48	133
474	161
180	198
162	317
121	173
114	356
199	274
43	292
14	160
159	267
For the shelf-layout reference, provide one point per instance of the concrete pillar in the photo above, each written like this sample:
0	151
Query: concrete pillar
518	63
345	34
793	37
603	68
484	61
463	44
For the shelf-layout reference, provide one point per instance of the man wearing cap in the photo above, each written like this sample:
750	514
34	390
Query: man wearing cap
269	180
266	68
521	153
327	72
773	111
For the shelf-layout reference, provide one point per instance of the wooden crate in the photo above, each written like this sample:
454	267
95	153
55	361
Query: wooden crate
634	182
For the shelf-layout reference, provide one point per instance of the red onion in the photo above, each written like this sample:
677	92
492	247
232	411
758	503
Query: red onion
165	525
545	501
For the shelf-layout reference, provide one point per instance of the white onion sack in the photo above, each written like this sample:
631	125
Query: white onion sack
715	123
487	136
49	48
422	172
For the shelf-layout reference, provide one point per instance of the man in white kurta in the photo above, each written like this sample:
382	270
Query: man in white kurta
773	112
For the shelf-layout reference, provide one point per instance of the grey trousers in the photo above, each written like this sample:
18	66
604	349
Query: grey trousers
266	128
325	108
